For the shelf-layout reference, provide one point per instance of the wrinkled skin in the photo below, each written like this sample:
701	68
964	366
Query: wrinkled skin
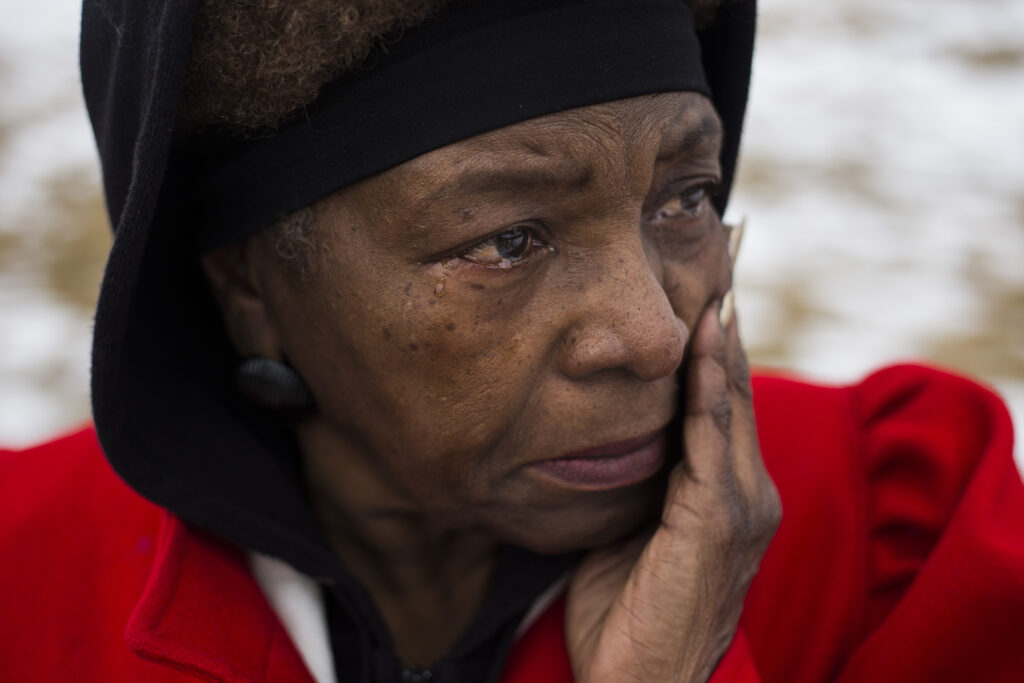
445	363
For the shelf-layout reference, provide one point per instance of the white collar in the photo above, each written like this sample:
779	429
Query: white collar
299	604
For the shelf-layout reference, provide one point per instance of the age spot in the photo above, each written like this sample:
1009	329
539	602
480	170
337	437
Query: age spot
450	327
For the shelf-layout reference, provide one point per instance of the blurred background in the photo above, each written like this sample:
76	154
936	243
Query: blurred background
882	176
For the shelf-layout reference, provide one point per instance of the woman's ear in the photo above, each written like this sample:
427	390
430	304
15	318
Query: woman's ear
232	273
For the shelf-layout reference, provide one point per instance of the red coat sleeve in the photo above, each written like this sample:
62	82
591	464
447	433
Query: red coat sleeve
539	656
901	552
945	592
737	664
900	557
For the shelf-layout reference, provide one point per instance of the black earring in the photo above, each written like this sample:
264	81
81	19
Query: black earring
273	385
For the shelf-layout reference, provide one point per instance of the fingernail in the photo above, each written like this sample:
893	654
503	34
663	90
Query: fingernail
725	312
735	239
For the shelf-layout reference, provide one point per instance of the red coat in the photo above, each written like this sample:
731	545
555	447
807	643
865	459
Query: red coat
900	557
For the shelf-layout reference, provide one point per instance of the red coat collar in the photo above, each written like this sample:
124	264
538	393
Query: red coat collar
202	612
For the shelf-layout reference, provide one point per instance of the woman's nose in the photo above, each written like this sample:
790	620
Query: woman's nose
625	321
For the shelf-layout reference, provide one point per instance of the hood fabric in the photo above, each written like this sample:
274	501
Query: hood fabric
461	74
164	403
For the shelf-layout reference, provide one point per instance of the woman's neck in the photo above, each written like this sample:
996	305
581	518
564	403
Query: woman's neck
427	581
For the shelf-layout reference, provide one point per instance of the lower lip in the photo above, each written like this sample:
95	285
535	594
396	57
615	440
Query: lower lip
609	471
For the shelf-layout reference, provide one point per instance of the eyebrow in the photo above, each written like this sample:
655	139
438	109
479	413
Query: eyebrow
708	132
565	175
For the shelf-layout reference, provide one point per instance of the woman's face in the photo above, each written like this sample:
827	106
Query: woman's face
507	300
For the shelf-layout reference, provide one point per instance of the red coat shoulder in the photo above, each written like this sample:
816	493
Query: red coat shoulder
901	551
899	557
68	476
78	545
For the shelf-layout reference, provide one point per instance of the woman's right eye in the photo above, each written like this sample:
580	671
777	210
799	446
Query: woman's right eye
507	249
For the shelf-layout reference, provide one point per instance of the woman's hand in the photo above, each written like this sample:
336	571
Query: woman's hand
664	607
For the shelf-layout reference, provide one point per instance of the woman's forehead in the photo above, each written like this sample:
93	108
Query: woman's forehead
562	148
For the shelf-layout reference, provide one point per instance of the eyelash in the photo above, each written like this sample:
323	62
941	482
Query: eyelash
709	188
529	232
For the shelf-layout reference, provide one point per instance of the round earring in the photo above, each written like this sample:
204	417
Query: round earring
273	385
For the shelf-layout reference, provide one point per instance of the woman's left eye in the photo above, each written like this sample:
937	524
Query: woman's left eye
689	203
505	249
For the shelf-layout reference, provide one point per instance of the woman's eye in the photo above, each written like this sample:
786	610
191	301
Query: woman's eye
689	203
504	250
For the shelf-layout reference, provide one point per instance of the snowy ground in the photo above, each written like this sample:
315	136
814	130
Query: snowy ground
882	175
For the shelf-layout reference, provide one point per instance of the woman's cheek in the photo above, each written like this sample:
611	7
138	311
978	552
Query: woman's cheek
455	330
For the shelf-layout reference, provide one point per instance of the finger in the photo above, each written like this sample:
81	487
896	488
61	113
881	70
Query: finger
746	457
749	471
703	490
736	364
735	240
753	482
707	413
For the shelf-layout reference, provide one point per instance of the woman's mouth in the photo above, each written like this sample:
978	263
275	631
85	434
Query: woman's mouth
608	466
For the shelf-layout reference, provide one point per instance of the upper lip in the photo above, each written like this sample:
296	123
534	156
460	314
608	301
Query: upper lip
613	448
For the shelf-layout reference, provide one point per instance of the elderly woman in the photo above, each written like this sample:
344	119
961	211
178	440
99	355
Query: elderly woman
417	359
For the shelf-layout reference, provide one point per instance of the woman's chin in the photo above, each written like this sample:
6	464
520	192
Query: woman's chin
610	519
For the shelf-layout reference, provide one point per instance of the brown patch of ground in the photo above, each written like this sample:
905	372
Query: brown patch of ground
990	58
794	313
767	178
62	243
760	176
75	255
863	22
994	346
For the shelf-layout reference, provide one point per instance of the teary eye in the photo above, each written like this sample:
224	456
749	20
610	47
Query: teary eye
689	203
512	244
505	249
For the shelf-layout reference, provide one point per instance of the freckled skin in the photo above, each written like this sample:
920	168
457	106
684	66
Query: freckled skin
577	348
438	380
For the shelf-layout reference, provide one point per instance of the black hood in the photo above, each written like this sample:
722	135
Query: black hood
164	404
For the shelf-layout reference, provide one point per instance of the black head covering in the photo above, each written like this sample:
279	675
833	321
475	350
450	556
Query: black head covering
162	370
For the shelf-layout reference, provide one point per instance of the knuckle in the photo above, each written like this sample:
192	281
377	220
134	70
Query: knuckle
740	383
708	394
739	375
732	524
711	374
721	413
742	364
774	508
769	511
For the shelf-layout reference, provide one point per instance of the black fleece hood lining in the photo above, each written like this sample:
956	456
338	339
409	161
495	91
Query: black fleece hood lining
162	367
478	67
